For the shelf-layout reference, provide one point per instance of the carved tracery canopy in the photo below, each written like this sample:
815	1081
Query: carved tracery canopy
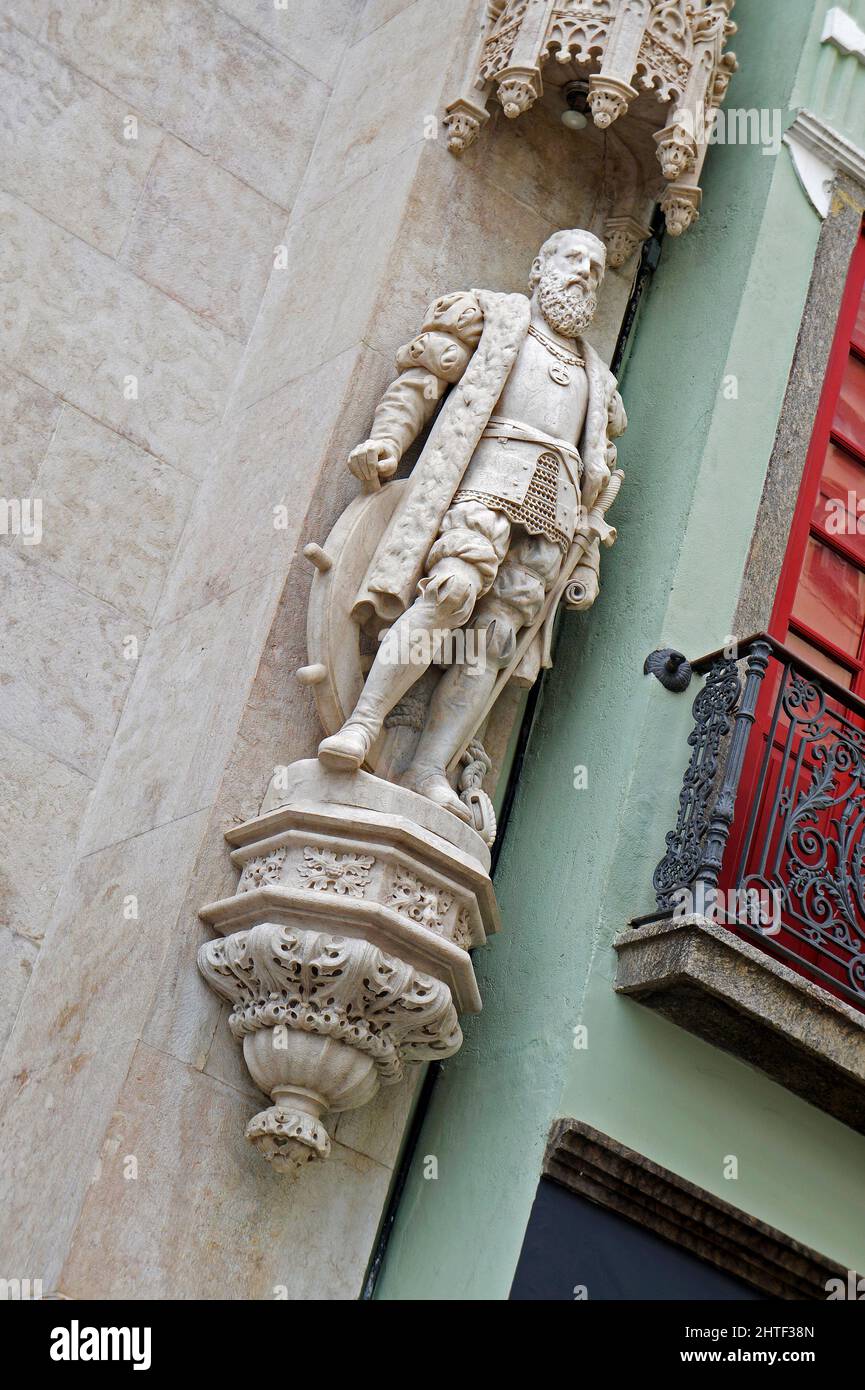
672	49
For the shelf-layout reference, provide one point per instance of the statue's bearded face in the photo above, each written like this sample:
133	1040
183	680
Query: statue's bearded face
567	307
566	278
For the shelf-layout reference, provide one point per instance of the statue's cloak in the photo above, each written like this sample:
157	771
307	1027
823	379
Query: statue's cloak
390	583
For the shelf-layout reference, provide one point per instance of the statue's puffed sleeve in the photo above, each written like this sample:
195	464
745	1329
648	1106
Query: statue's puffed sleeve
617	420
428	365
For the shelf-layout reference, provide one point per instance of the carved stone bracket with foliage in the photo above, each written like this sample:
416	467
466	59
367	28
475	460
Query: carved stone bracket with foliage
344	950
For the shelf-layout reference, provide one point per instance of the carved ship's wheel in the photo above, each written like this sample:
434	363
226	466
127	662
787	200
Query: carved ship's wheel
339	651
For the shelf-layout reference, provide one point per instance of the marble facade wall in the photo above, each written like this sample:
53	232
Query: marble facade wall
258	129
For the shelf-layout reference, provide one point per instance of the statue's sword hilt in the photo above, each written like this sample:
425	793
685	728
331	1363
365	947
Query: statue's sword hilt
594	528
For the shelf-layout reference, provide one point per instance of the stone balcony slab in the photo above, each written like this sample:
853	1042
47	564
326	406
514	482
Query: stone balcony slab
735	996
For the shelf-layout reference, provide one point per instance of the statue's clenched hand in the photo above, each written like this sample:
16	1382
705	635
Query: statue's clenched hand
374	460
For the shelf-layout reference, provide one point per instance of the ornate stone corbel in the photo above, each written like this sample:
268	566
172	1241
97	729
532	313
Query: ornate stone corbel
609	99
677	151
462	121
681	207
727	66
344	950
323	1020
518	89
623	236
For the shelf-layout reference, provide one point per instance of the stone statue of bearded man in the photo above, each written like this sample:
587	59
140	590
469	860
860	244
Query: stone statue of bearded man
502	515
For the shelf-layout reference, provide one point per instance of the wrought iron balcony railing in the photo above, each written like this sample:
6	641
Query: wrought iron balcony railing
770	836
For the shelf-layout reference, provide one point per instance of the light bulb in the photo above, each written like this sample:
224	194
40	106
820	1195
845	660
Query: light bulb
574	120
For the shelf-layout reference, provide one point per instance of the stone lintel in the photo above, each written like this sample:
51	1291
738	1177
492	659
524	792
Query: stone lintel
599	1168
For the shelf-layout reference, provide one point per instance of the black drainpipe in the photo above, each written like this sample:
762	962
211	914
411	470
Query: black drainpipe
649	259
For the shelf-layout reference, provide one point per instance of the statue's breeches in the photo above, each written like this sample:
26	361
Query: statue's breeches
529	569
475	534
480	544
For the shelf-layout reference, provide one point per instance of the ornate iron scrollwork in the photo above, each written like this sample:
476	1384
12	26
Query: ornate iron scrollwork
712	709
800	817
811	849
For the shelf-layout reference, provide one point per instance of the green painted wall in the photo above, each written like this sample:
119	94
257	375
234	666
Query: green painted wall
830	83
576	865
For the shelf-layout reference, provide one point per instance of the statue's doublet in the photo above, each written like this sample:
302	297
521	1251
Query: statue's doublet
470	342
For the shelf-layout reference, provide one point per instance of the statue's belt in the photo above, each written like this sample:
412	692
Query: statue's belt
500	428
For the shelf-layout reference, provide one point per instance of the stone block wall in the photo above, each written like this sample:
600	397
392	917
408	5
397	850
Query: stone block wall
160	258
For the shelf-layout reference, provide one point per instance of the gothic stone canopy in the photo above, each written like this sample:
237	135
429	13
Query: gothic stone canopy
670	52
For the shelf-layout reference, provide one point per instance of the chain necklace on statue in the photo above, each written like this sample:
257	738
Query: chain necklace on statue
560	370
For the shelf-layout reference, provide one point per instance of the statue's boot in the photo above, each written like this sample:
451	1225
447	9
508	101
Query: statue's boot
456	709
346	750
434	785
386	684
